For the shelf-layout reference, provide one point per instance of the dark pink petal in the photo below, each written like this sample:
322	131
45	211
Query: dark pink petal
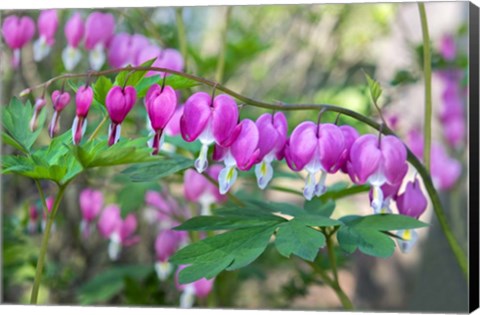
47	25
302	145
74	30
196	114
166	244
109	221
365	158
161	106
244	149
268	135
83	100
412	202
99	29
224	118
331	145
119	102
394	159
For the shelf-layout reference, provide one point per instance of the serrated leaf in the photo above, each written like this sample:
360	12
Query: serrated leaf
101	87
374	88
294	237
230	251
16	124
212	223
368	241
318	206
384	222
149	172
175	81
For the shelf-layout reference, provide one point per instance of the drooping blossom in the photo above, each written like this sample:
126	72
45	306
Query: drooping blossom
83	100
47	27
197	289
160	102
411	203
211	121
91	203
17	31
60	100
315	148
118	231
39	105
350	134
165	58
377	161
272	138
124	49
199	189
166	244
99	29
119	103
389	193
74	31
242	154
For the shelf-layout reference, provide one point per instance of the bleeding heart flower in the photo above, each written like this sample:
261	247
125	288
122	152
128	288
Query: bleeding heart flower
389	193
377	161
91	203
173	127
60	100
166	244
39	105
210	121
83	100
199	189
17	31
200	289
119	103
74	31
350	134
160	103
118	231
47	26
99	29
411	203
124	49
272	138
242	154
315	148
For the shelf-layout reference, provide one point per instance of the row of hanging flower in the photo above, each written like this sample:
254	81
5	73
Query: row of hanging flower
96	32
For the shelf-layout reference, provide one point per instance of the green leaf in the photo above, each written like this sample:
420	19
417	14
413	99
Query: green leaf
230	251
384	222
175	81
132	78
15	122
293	237
110	282
150	172
228	221
318	206
366	233
98	153
374	87
279	207
101	87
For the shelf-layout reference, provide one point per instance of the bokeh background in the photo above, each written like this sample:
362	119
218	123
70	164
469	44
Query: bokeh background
293	54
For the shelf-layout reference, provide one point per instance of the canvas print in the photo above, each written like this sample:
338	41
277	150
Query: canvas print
303	157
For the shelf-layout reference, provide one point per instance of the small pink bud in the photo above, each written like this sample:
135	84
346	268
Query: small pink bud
59	100
39	105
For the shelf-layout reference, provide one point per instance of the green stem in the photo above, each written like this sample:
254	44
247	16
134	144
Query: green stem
223	46
346	303
427	71
97	130
422	171
42	196
182	37
332	258
44	246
